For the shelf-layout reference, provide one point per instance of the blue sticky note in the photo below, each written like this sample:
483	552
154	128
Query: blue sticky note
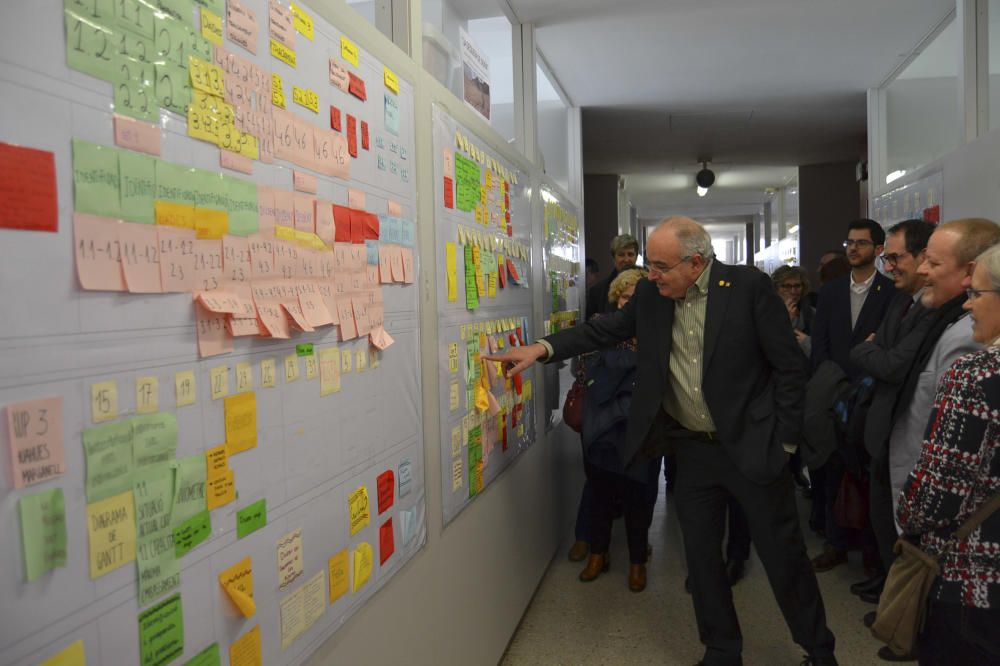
372	247
409	233
392	114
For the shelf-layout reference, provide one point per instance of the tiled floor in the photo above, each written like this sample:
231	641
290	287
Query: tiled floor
573	623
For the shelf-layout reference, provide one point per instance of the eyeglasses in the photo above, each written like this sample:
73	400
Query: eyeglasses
974	294
791	286
893	258
662	268
862	243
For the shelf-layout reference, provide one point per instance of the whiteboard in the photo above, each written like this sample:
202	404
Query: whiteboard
312	450
479	443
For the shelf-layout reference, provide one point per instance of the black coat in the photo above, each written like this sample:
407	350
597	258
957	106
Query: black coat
597	296
753	371
832	334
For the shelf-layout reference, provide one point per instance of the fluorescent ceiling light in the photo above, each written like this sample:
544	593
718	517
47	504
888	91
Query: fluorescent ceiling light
895	175
702	191
794	229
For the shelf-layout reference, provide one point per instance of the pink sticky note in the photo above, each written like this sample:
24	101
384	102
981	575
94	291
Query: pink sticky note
234	162
140	257
305	208
284	208
395	210
241	25
348	327
356	199
207	264
213	336
304	144
261	256
384	263
359	305
98	252
176	258
35	432
380	338
236	258
284	134
313	306
304	182
136	135
396	263
339	76
408	270
332	157
326	228
294	311
285	259
265	210
448	161
280	23
242	326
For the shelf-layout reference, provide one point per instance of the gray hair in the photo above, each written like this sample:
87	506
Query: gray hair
691	236
990	259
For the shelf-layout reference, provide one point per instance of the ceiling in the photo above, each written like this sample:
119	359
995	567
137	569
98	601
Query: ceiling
743	83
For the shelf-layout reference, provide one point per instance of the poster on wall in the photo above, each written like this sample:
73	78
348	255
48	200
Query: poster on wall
475	76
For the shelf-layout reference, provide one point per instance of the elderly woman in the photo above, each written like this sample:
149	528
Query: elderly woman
792	285
959	471
610	377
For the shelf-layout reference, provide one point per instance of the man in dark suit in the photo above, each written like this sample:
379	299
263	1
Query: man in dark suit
848	311
721	380
624	252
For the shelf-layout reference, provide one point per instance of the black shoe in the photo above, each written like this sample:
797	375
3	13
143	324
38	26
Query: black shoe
819	659
886	654
735	570
875	583
869	619
870	597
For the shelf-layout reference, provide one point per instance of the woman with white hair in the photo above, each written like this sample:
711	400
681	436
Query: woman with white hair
957	473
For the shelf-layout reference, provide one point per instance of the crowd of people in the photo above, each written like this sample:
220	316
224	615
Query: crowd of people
878	395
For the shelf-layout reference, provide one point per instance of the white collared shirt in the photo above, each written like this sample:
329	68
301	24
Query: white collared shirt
859	292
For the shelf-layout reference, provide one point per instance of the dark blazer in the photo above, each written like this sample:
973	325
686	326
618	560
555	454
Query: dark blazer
753	371
597	296
832	335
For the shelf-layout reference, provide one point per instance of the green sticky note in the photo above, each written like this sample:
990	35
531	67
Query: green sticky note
108	450
179	10
192	532
172	41
135	17
90	43
43	532
304	349
189	487
466	183
133	88
136	47
207	657
138	186
212	191
251	518
153	494
173	88
95	179
475	457
155	440
161	633
157	566
215	6
174	183
243	218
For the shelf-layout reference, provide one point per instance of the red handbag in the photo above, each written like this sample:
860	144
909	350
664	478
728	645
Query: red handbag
851	506
573	407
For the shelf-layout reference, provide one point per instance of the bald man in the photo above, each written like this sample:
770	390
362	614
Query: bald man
721	381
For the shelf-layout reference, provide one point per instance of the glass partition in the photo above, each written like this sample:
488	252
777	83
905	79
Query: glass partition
553	129
994	56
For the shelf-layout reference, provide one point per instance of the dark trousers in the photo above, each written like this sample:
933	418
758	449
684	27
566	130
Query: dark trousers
960	636
880	512
707	478
738	536
582	527
636	508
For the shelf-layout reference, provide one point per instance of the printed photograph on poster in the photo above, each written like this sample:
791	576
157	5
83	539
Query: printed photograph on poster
476	72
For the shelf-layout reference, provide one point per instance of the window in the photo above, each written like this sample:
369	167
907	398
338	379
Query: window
994	55
553	128
377	13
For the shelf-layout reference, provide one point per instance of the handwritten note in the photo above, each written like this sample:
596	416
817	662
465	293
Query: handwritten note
358	509
192	532
363	561
190	475
237	582
329	371
111	533
386	490
185	388
251	518
161	632
242	25
339	575
35	430
302	608
289	558
108	451
43	532
349	51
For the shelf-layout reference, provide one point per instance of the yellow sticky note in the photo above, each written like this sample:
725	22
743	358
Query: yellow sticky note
362	565
482	400
357	504
339	577
237	582
174	215
211	224
453	396
303	22
216	462
312	366
345	361
391	82
373	358
244	377
450	269
526	393
306	97
349	51
211	26
220	381
361	362
147	395
184	386
206	76
248	146
104	401
491	289
221	490
73	655
111	533
268	371
246	650
329	370
291	368
241	422
277	91
282	53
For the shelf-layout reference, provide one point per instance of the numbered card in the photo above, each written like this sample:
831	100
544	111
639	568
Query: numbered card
244	377
184	386
268	372
104	401
147	395
312	367
220	381
291	368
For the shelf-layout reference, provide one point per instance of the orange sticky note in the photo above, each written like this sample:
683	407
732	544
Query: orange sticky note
174	214
211	224
339	576
241	422
28	198
140	257
355	199
221	490
98	252
246	650
395	210
304	182
217	462
237	581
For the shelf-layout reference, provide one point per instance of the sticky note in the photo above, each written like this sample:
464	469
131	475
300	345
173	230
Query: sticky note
220	381
349	51
405	474
291	368
283	53
339	577
147	395
358	509
211	26
303	22
362	565
329	371
246	650
221	490
216	462
184	387
386	484
244	377
108	451
161	632
190	476
451	270
386	542
104	401
138	185
192	532
346	361
267	373
154	439
312	367
72	655
35	431
96	183
156	561
237	582
43	532
289	558
251	518
390	79
111	533
277	91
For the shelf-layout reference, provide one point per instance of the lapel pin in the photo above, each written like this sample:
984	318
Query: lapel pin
722	283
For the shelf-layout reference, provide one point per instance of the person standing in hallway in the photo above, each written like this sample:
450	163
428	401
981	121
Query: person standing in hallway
624	253
849	310
592	269
721	380
792	286
957	473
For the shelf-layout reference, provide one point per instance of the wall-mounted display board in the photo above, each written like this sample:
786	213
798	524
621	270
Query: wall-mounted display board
209	367
482	228
920	199
564	286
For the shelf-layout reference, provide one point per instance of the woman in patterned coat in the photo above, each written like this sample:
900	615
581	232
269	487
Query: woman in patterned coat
959	470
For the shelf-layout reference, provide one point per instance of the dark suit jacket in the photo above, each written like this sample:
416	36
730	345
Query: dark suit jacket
597	296
832	335
753	372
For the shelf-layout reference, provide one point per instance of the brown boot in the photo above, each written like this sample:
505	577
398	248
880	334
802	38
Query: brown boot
637	577
596	565
578	551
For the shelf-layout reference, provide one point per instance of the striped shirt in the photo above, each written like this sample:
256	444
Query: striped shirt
685	400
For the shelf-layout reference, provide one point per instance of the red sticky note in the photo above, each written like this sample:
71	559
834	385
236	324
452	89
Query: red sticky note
506	201
449	193
335	118
504	440
342	223
386	486
357	226
513	271
371	226
502	272
28	189
356	87
386	544
364	135
352	135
